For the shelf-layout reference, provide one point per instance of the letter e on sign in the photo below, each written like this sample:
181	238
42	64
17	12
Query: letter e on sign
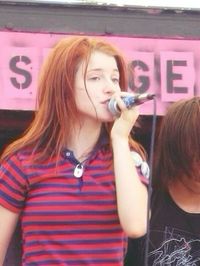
177	75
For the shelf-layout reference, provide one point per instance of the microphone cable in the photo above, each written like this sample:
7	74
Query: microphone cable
150	182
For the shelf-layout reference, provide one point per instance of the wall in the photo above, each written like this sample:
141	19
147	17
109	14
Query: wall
161	44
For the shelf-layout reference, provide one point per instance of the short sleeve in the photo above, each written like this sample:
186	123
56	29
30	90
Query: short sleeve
142	167
13	184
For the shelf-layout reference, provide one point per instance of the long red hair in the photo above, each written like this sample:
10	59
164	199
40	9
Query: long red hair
56	107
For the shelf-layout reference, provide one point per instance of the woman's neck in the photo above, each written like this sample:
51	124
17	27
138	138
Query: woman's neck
84	139
186	195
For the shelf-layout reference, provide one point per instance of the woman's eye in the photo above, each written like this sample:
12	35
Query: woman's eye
115	80
95	78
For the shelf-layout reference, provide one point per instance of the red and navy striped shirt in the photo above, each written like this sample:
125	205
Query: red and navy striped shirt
65	220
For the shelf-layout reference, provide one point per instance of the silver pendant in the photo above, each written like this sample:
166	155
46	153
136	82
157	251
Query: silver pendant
145	169
78	170
137	159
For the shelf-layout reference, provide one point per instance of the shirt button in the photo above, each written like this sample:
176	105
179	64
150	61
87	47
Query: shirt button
67	154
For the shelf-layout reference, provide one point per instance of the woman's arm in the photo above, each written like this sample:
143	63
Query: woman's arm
132	194
8	221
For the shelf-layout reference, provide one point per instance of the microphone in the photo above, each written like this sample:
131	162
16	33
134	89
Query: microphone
130	101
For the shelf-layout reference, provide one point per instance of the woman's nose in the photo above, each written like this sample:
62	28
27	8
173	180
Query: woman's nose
110	87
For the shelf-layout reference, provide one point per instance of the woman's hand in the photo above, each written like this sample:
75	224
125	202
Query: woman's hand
124	123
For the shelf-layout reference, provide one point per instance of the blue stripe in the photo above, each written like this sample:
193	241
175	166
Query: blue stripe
17	169
74	212
11	177
98	167
11	200
61	174
2	181
73	241
87	193
101	262
69	173
71	203
53	185
45	166
71	252
72	232
56	223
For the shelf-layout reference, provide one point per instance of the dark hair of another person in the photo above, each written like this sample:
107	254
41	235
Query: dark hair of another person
178	146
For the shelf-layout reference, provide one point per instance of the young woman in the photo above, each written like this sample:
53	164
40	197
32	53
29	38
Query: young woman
71	179
175	211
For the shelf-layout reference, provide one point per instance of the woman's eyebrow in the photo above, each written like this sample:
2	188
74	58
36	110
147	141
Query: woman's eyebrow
101	69
95	69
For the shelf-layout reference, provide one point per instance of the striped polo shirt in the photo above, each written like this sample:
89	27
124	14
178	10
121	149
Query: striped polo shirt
67	217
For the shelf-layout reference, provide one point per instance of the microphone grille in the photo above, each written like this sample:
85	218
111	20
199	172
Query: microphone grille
112	107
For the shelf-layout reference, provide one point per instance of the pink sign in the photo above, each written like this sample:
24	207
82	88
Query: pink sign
167	67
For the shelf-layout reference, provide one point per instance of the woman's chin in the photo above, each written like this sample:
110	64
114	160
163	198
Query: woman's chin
108	118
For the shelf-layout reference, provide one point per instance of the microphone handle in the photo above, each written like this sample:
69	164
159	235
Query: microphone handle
129	101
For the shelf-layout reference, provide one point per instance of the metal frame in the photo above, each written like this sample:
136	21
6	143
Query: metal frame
37	16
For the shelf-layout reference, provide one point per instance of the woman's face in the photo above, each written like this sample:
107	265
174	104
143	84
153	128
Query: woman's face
102	81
